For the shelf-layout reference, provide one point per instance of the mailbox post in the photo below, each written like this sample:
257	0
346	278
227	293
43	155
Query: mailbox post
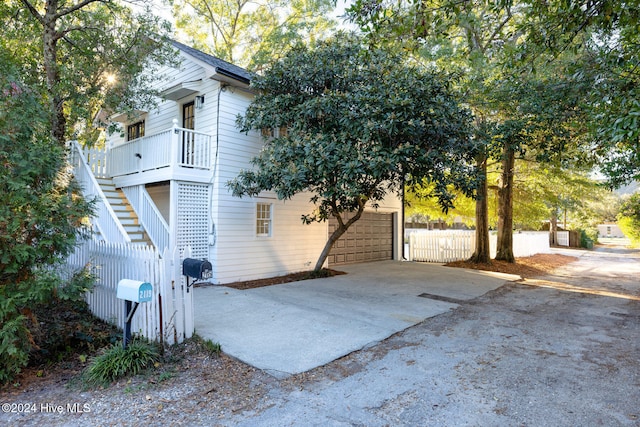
133	292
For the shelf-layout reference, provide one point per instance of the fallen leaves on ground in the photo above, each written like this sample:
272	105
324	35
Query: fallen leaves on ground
536	265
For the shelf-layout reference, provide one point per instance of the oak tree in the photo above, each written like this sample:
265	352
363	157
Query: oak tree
84	55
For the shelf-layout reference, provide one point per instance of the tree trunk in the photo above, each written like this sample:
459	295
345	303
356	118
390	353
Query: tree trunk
553	227
342	228
504	251
52	72
482	252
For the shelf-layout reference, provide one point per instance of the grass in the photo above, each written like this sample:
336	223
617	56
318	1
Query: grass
116	363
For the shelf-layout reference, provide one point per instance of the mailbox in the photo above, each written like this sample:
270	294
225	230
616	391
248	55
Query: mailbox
134	290
197	269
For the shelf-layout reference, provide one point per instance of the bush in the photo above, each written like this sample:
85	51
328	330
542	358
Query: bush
41	214
14	340
117	362
588	238
629	218
70	331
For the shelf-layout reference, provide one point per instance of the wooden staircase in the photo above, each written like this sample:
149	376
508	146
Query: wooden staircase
125	213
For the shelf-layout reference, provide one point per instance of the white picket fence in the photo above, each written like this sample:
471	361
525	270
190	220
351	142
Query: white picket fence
441	245
444	246
168	317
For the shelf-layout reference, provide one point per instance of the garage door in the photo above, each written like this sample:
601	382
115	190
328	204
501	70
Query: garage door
369	239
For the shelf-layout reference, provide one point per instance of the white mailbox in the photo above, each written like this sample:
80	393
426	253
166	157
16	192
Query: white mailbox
134	290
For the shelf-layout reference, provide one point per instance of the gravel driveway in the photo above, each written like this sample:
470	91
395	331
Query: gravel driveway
561	350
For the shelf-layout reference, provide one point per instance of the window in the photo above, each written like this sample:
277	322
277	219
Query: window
268	133
263	219
135	130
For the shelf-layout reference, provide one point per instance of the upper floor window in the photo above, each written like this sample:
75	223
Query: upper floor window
135	130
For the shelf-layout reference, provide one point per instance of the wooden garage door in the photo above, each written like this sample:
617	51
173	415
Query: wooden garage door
369	239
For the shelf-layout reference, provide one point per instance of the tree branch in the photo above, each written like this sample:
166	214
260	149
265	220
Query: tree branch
33	11
498	29
78	6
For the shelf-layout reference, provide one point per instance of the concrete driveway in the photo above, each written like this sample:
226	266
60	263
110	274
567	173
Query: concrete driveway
294	327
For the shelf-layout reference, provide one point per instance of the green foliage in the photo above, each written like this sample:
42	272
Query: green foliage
64	328
117	362
540	191
517	77
588	237
421	205
603	38
98	49
14	340
359	122
41	212
212	347
76	288
252	33
629	218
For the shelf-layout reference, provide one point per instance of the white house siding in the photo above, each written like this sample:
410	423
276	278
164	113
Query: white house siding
610	230
293	246
239	253
161	117
229	239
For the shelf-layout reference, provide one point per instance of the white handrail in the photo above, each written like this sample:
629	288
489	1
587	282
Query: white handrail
175	147
149	216
105	218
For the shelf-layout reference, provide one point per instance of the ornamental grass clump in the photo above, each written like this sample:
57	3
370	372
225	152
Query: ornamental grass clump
117	362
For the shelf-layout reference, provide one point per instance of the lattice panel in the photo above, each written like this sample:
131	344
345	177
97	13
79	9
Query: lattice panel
193	219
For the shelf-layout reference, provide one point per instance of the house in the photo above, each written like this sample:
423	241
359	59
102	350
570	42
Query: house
610	229
162	180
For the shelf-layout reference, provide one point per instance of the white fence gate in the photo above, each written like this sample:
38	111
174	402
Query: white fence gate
168	317
455	245
562	238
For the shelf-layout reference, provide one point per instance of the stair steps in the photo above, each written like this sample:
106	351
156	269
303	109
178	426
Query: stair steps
125	213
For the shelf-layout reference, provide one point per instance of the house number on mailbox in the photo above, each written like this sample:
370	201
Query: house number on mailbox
146	295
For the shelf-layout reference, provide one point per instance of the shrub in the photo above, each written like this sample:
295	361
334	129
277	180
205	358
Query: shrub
14	340
117	362
41	212
629	218
588	237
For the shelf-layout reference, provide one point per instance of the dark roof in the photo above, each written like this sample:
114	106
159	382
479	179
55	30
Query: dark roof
222	67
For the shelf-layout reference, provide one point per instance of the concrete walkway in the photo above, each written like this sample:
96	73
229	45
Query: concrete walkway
294	327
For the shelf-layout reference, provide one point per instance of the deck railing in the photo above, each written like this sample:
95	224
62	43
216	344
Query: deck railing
173	147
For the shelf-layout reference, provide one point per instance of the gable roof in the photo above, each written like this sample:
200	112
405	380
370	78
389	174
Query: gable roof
220	66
